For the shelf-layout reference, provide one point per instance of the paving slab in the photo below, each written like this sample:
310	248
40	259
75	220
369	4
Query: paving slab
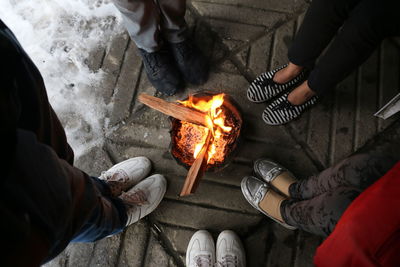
156	255
134	244
257	245
201	217
242	39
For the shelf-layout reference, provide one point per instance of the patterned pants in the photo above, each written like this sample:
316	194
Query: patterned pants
317	203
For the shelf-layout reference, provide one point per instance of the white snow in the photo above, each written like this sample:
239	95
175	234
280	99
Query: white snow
58	35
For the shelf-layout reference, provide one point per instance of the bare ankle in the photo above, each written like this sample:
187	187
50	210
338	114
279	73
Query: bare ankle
294	68
301	94
288	73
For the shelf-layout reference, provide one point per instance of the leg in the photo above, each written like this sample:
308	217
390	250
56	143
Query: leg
321	23
319	215
61	202
55	198
173	24
358	171
190	60
369	23
142	20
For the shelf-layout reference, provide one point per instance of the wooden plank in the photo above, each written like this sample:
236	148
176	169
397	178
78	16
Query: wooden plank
175	110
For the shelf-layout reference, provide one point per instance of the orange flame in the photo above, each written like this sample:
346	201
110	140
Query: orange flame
215	124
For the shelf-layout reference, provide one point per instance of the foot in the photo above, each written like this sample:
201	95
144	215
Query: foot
264	199
264	87
230	251
143	198
281	111
301	94
126	174
191	62
162	71
201	250
274	174
287	74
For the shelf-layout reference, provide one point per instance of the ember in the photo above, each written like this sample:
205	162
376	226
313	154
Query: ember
205	131
224	123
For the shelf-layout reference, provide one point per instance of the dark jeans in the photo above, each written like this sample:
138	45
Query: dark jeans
317	203
359	27
103	221
43	193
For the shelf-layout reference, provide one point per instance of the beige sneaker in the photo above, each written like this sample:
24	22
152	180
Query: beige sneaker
126	174
143	198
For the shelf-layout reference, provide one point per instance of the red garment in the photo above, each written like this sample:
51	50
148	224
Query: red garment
368	233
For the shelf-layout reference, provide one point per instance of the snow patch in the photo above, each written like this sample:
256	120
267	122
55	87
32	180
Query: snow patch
59	35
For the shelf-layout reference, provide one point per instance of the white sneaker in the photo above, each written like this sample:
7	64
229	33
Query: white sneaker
126	174
144	197
230	252
201	250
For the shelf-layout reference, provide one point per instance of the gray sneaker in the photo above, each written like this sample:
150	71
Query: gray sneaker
230	251
126	174
255	191
143	198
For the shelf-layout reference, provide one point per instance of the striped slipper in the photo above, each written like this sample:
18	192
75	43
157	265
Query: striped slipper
264	88
281	111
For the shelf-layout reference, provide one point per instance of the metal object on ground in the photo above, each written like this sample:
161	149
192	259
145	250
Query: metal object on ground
391	108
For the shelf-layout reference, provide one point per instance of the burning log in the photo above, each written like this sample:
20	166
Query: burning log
197	170
205	131
177	111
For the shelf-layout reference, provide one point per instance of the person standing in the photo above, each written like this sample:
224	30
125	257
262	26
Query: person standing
355	28
315	204
46	202
160	32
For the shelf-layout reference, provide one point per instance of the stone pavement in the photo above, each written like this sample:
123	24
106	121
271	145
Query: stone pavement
243	38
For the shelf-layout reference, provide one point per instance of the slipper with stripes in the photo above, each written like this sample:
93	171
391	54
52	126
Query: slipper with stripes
264	88
281	111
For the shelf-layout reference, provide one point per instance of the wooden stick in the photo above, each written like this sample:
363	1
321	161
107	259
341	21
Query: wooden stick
172	109
197	169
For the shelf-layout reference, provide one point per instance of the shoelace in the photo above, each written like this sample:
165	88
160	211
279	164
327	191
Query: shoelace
228	261
116	176
203	261
115	180
137	198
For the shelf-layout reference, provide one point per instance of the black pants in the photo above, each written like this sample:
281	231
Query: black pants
317	203
359	27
